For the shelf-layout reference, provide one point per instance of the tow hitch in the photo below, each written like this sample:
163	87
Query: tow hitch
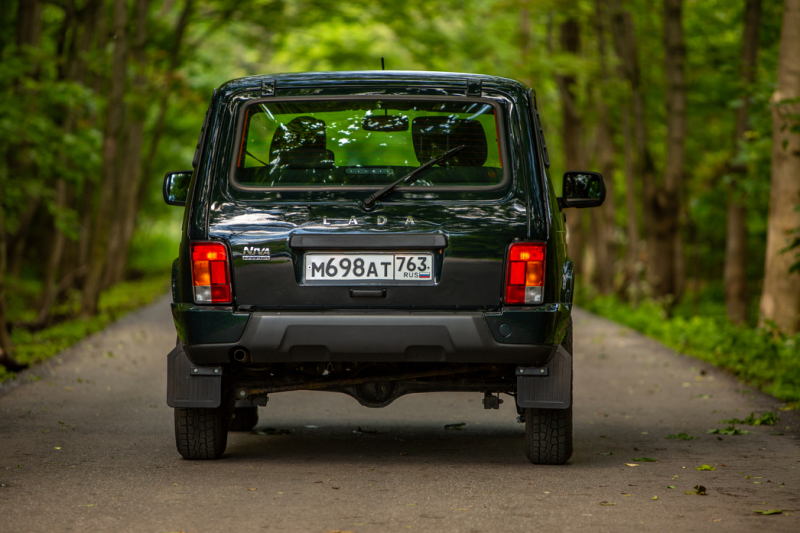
491	401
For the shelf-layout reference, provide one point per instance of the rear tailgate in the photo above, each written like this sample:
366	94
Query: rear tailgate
431	257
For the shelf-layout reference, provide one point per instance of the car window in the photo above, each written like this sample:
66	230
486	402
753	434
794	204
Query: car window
318	143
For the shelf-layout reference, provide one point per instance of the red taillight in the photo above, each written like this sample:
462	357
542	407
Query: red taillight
525	274
210	277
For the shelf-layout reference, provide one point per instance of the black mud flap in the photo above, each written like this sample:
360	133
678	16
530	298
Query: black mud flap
546	387
192	386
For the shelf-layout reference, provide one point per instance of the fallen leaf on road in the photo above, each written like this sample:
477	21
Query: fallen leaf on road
704	467
699	490
253	489
646	460
458	425
770	511
757	482
334	488
730	430
681	436
670	486
273	431
674	477
631	464
57	447
87	505
607	503
767	419
654	498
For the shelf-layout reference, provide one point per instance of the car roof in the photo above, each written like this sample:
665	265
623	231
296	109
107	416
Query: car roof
386	78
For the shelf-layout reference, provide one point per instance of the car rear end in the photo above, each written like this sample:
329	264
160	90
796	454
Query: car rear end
288	280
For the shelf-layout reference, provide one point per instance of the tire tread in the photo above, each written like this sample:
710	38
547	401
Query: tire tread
200	433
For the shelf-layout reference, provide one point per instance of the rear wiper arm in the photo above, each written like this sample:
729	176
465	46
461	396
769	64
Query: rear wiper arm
409	178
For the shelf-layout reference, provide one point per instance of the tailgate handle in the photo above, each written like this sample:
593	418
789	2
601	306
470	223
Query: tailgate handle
367	293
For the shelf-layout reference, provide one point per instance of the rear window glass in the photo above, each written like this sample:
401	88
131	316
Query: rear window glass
367	143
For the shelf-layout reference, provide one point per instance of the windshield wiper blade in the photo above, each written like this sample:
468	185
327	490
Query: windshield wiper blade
409	178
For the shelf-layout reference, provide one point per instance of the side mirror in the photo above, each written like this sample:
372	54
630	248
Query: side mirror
176	187
582	189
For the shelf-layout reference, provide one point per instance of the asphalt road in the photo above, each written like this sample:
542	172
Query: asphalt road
90	447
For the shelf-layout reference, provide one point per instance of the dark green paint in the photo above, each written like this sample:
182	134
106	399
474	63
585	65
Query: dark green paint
479	224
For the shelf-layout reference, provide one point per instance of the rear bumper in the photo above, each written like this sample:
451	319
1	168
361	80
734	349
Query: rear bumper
521	336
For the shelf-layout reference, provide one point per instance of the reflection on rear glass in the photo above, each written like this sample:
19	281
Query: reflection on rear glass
367	143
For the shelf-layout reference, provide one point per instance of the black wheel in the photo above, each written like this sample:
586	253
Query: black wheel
548	432
201	433
548	436
244	419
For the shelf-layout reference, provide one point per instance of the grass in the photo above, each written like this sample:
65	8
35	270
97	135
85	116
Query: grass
38	346
763	357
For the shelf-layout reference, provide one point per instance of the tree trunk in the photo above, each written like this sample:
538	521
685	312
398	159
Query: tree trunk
626	48
6	347
736	242
131	159
54	253
632	223
571	132
158	130
780	299
603	218
16	242
29	34
665	203
29	22
110	163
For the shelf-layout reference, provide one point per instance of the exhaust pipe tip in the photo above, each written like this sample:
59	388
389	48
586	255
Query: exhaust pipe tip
241	355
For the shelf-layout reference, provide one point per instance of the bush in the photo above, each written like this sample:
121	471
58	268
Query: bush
763	357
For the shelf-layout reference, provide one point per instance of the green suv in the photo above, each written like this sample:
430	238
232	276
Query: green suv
374	234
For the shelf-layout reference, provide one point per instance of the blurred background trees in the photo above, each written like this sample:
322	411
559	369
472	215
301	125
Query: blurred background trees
690	110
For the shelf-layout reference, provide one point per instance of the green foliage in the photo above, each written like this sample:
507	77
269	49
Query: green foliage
764	358
767	419
681	436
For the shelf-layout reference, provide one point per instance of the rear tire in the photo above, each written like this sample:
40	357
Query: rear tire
201	433
548	436
548	432
244	419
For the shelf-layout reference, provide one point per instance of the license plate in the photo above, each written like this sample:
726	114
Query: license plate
368	268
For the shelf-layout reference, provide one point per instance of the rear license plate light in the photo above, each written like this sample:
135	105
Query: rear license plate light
525	273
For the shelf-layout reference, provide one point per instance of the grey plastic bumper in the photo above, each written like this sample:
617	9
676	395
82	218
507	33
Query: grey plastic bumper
372	336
